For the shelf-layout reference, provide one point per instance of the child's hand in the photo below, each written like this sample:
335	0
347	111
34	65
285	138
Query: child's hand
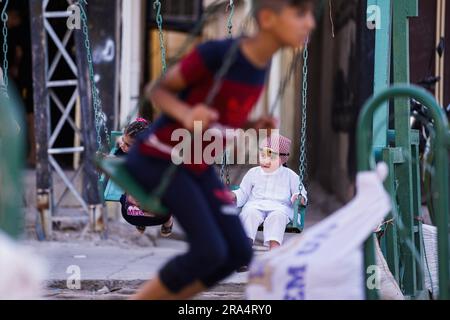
233	196
201	113
295	198
303	201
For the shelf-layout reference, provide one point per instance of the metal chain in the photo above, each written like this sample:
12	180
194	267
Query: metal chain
225	170
230	19
159	21
100	117
222	168
303	134
4	18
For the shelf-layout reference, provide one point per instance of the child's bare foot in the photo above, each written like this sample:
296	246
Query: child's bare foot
166	228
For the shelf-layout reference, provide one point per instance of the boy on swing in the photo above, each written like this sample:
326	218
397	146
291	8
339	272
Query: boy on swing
205	209
268	192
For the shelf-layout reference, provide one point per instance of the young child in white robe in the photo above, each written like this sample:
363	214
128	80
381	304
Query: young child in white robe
267	193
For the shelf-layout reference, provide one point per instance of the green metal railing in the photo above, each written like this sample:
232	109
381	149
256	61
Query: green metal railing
11	165
366	161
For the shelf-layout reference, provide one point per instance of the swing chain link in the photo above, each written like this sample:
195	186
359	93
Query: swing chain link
230	7
303	134
227	173
5	19
159	21
225	170
100	116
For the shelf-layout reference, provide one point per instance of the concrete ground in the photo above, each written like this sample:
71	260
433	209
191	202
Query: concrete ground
109	272
114	271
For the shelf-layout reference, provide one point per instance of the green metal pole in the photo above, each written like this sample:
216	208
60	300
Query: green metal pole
391	236
382	23
402	10
366	161
382	10
11	165
382	68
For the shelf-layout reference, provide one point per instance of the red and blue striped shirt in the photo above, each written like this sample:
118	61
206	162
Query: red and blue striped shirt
240	90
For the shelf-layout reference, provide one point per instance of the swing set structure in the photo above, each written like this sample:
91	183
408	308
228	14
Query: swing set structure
94	132
120	179
384	134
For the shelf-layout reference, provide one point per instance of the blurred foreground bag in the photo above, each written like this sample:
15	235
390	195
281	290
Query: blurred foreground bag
21	273
431	260
389	289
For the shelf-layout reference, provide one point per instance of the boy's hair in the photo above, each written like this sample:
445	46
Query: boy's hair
136	127
276	5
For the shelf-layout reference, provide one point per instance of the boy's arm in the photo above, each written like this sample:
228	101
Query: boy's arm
164	95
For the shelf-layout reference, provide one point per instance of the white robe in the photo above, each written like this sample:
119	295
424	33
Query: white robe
266	198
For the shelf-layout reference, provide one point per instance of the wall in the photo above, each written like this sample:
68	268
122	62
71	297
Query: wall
334	81
132	49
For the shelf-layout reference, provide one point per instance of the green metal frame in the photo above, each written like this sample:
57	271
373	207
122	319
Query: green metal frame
402	246
408	190
12	144
382	68
367	159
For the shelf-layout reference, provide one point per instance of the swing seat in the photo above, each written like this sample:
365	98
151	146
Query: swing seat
299	212
112	192
116	170
295	226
